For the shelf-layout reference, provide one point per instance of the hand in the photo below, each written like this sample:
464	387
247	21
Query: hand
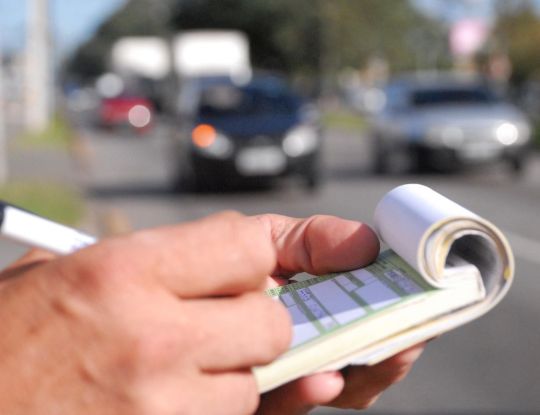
319	245
163	321
356	387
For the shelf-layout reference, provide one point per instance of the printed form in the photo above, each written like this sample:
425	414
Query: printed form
321	305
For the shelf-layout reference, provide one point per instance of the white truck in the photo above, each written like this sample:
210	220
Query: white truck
145	56
195	53
203	53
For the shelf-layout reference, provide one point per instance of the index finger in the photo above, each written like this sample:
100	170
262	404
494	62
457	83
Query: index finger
223	254
319	244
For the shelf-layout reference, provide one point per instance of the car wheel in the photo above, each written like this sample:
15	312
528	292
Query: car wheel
393	160
420	161
517	165
182	183
202	183
312	173
312	181
380	157
381	164
184	179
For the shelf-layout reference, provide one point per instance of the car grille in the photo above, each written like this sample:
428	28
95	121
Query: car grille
476	135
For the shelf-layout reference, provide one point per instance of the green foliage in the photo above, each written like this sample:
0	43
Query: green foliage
296	33
50	200
518	33
536	135
303	35
283	35
136	18
343	120
298	37
392	29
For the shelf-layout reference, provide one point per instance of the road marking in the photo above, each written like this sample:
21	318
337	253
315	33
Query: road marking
523	247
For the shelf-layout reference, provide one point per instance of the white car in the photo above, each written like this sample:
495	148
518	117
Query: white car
446	122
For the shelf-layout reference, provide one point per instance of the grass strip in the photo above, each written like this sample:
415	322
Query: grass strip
344	120
52	200
58	134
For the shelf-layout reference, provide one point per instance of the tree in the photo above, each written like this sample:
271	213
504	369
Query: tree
136	18
517	33
296	37
293	35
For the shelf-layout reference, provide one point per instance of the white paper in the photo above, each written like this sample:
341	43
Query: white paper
406	215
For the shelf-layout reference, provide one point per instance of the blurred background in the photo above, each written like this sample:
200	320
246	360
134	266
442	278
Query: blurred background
118	115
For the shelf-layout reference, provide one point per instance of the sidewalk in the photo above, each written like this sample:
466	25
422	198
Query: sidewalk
45	164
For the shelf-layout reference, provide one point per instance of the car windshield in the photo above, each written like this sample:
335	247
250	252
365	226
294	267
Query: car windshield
230	101
429	97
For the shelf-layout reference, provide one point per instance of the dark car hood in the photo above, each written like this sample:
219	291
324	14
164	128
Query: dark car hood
252	125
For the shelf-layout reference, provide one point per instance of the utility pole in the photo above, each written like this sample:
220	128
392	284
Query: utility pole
38	67
3	120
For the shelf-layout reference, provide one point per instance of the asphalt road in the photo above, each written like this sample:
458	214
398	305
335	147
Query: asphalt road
490	366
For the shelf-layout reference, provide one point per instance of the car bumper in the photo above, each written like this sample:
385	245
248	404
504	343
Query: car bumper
478	153
253	164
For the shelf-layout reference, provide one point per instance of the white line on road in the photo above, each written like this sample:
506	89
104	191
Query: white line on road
523	247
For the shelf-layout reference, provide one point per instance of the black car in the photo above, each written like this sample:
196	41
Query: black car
231	133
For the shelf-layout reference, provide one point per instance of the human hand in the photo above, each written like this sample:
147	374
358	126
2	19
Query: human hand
355	387
320	245
163	321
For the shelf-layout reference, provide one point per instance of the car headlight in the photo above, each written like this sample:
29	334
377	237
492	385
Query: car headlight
300	140
507	133
208	141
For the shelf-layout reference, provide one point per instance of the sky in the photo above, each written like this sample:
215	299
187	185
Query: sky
453	10
73	21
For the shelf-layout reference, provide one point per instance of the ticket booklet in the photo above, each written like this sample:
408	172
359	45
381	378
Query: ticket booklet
444	267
